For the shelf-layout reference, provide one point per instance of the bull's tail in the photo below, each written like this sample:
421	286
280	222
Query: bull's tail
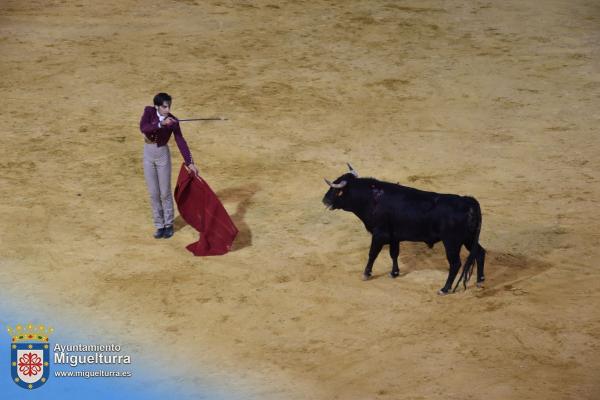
475	224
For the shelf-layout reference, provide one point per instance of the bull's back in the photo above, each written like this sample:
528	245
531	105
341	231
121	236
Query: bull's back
424	216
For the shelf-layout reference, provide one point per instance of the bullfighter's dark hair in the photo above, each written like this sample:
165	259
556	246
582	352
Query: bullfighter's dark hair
161	98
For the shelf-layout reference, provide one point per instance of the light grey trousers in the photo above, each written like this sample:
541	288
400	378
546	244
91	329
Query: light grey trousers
157	171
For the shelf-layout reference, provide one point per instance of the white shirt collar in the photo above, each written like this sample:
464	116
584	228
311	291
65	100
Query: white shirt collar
160	116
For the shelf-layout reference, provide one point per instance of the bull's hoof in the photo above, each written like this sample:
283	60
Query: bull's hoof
393	274
441	292
366	277
481	282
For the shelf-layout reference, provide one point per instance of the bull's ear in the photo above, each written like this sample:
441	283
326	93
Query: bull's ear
352	170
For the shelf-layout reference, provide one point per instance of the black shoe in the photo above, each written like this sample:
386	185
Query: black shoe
168	232
160	232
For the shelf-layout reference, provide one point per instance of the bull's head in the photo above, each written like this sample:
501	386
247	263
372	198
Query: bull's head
337	195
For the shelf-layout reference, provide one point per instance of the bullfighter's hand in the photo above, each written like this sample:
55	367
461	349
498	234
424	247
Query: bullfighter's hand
168	121
193	169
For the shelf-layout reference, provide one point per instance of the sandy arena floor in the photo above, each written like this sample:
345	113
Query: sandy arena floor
495	99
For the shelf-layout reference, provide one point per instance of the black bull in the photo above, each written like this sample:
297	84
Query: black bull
394	213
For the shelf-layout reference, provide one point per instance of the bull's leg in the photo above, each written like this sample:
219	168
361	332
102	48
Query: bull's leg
480	260
394	253
453	257
480	263
377	243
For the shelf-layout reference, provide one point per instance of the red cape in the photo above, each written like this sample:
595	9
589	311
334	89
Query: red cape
200	207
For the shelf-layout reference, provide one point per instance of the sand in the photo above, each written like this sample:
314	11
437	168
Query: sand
494	99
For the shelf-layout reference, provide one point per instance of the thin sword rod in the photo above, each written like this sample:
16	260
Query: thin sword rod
203	119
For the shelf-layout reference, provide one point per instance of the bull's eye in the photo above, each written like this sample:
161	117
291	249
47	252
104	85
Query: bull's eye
341	192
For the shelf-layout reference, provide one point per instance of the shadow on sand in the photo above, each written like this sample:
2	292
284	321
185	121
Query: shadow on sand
243	196
503	270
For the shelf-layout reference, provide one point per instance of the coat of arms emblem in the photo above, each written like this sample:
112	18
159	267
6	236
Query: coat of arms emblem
30	355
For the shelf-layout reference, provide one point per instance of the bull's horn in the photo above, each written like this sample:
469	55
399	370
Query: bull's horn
352	170
336	185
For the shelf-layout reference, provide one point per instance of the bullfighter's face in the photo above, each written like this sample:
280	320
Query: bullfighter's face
336	196
164	108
